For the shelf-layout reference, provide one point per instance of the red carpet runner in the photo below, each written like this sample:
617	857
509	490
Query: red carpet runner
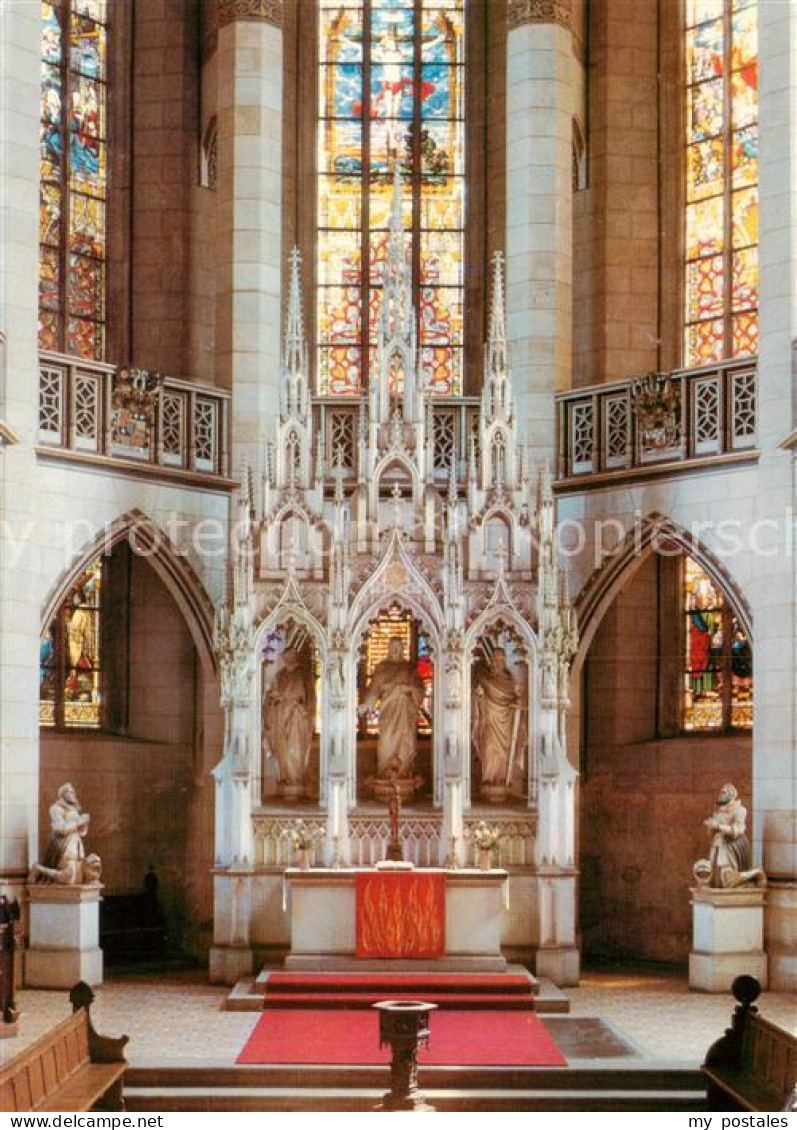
485	1038
483	1019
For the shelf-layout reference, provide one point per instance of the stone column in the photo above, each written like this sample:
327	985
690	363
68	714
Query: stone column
542	75
20	70
249	218
774	580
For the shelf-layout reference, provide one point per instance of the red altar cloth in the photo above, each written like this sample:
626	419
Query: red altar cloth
401	914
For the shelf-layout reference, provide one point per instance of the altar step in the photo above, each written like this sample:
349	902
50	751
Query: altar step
368	1000
362	990
606	1087
248	995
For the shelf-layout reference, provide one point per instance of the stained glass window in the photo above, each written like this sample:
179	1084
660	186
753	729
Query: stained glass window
391	90
73	177
721	314
718	672
70	669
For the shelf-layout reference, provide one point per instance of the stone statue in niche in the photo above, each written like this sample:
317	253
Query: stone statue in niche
729	860
289	722
65	860
496	725
397	689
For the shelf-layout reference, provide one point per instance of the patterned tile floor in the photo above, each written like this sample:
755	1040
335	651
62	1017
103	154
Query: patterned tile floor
177	1018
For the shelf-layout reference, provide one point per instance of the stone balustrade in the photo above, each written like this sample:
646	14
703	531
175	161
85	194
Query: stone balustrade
647	424
95	411
421	835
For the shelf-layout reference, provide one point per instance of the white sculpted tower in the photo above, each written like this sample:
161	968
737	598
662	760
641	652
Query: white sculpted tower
409	634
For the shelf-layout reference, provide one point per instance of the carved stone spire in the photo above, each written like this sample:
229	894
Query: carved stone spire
294	440
497	400
499	465
397	332
295	398
397	317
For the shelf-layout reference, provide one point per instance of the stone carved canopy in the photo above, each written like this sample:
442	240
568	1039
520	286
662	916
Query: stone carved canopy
424	549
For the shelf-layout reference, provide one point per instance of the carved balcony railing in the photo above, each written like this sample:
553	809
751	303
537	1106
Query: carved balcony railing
648	424
100	413
454	421
369	836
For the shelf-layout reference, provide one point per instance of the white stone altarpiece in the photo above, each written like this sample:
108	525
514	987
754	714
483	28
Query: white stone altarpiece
396	615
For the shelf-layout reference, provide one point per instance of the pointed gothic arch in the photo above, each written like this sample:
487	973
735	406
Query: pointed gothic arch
656	532
397	459
150	542
501	615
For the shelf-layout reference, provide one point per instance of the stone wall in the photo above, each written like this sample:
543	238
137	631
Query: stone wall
162	665
148	796
642	800
165	162
204	199
615	218
136	794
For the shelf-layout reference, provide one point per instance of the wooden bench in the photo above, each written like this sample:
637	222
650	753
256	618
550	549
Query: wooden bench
754	1065
72	1068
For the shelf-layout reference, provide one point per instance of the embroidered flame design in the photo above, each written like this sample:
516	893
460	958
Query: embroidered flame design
401	915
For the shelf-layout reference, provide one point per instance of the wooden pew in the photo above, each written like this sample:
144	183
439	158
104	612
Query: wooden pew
754	1065
71	1068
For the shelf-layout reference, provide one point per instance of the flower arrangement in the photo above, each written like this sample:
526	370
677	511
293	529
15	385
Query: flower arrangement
484	837
302	836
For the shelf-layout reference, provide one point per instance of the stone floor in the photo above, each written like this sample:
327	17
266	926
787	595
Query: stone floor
175	1017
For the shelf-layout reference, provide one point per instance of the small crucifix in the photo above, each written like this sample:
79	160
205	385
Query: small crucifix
394	850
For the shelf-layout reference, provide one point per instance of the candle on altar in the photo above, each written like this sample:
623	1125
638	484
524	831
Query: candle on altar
335	806
455	802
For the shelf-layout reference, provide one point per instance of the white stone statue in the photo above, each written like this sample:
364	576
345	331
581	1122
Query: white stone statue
65	860
398	690
289	723
496	725
729	862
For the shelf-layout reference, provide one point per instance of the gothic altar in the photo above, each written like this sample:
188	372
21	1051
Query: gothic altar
327	931
396	623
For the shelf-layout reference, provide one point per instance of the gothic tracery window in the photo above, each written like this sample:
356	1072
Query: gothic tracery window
721	300
73	177
718	672
390	91
70	671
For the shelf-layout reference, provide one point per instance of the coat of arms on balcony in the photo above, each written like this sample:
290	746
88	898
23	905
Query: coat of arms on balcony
656	400
134	402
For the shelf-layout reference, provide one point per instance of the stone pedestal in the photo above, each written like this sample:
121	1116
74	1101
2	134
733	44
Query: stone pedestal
231	956
64	936
560	964
228	964
727	937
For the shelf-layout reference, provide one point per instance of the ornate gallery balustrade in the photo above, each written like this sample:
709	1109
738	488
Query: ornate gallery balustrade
95	412
656	423
369	836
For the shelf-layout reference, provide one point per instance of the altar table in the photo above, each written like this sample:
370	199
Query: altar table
323	919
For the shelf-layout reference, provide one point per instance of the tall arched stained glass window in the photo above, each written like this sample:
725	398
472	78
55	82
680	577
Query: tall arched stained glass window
391	90
721	313
718	669
73	186
70	670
